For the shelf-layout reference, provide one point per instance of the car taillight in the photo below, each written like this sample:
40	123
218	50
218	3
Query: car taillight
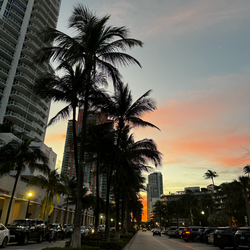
187	232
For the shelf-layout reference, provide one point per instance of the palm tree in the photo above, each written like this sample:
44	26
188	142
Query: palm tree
210	175
246	170
70	190
121	108
100	142
53	187
159	211
96	46
18	155
244	182
133	158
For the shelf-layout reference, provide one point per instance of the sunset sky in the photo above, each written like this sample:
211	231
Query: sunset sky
196	59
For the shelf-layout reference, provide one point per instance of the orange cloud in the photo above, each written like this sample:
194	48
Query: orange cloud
50	138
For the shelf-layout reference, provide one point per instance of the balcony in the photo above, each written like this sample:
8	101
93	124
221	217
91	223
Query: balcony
25	78
5	62
15	22
30	52
2	92
37	21
13	116
31	44
18	7
2	82
19	16
12	27
8	35
26	69
45	11
21	86
14	105
7	43
4	73
52	9
7	53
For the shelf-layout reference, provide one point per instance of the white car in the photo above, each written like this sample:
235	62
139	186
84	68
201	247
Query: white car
84	230
4	235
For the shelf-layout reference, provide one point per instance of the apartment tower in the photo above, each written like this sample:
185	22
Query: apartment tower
20	21
68	164
154	191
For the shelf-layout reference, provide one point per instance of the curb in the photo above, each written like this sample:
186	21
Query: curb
130	242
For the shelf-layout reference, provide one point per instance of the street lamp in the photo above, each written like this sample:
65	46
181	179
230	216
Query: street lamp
202	212
101	219
29	194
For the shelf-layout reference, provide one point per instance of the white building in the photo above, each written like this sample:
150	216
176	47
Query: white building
154	191
20	20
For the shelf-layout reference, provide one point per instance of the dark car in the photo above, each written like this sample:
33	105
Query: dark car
59	230
224	237
23	230
190	233
157	231
242	238
68	230
203	233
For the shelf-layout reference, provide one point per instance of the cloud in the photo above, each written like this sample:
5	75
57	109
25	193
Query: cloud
199	15
50	138
209	125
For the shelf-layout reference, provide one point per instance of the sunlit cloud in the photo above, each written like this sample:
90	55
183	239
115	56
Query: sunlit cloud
55	138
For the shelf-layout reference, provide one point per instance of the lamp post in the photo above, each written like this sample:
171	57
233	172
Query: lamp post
29	194
101	219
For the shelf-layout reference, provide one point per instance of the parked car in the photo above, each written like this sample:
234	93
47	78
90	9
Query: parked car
23	230
179	232
172	232
4	235
68	230
242	238
224	237
190	233
58	229
101	229
157	231
202	235
84	230
144	229
210	238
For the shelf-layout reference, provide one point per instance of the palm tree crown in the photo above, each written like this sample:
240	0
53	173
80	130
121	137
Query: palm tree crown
210	175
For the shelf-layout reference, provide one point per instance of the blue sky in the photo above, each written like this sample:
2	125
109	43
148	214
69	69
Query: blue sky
196	59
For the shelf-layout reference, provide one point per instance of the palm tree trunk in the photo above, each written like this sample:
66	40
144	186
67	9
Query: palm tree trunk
75	141
97	196
76	236
11	199
117	209
107	212
45	205
66	210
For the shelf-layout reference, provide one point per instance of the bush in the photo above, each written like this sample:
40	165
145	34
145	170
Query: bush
127	236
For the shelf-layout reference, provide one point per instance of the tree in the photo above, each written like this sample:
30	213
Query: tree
70	190
210	175
246	170
18	155
244	182
96	46
159	211
52	184
121	108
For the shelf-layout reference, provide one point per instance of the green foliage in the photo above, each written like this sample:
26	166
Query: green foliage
219	219
107	245
127	236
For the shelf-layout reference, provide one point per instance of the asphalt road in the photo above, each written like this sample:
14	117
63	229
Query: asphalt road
32	245
146	241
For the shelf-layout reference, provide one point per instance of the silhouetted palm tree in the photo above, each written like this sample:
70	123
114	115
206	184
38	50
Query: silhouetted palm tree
97	46
210	175
18	155
246	170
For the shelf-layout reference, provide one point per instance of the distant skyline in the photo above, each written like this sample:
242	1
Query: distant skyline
196	59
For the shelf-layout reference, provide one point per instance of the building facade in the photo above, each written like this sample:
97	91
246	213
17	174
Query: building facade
68	165
20	21
154	191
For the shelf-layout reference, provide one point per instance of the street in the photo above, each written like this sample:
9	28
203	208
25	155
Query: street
32	245
146	241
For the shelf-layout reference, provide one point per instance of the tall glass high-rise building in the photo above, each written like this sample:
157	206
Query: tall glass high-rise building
20	21
154	191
